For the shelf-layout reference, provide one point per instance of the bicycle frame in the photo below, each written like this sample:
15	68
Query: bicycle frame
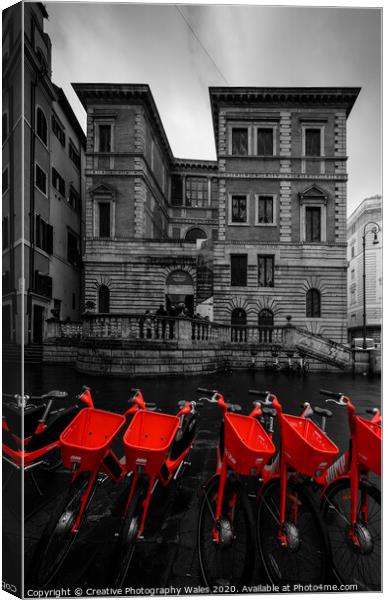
348	466
171	468
222	467
279	469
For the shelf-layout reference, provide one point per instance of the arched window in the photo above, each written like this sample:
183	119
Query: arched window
266	318
103	299
313	303
41	125
195	234
238	321
265	321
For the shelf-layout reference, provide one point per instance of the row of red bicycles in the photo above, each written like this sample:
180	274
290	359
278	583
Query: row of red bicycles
313	513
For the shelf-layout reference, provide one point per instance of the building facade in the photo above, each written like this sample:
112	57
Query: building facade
42	236
369	211
259	234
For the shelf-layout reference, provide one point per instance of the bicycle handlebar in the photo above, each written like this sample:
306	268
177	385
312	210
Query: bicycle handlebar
333	395
207	391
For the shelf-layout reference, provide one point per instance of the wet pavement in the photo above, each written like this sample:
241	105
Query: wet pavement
168	554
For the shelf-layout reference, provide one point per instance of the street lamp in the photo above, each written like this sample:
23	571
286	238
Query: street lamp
375	229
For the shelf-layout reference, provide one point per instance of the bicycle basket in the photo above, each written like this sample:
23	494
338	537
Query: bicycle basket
369	444
247	446
306	447
147	440
87	438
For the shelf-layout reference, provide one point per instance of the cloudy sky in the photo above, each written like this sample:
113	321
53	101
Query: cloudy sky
181	50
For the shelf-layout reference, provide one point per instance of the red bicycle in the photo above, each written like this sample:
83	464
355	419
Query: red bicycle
85	448
86	451
31	427
156	446
350	502
291	538
226	543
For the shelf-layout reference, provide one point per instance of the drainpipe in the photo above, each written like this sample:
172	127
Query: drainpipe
31	285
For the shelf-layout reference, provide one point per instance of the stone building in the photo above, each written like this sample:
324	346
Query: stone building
46	236
271	208
369	211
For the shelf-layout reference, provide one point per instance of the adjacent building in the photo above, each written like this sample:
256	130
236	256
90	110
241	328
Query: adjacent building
41	236
364	219
256	237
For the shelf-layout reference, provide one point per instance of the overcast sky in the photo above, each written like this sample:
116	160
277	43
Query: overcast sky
238	45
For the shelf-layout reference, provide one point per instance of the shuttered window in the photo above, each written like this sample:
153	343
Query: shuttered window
313	224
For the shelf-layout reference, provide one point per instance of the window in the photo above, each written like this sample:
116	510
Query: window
313	224
312	142
176	190
352	251
265	270
41	125
265	139
238	209
313	303
265	318
353	296
5	180
196	191
40	179
5	230
43	235
238	322
72	249
352	274
58	181
58	130
265	210
75	199
104	214
104	139
240	140
238	269
103	299
195	234
74	155
5	126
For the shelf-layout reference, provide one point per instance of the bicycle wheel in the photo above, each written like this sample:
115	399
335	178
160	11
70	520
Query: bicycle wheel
304	560
354	564
229	562
58	538
128	536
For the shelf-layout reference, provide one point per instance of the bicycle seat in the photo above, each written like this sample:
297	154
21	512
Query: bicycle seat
268	410
57	394
325	412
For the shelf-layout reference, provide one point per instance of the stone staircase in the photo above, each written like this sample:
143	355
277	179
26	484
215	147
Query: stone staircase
319	347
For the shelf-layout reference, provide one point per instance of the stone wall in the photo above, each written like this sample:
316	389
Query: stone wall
125	358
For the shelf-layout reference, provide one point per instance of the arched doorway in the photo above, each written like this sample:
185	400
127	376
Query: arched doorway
195	234
179	292
103	299
265	322
238	323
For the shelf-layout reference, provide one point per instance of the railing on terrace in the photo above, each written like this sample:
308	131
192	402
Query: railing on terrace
160	329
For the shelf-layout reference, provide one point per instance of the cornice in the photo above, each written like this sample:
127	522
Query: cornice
280	97
230	175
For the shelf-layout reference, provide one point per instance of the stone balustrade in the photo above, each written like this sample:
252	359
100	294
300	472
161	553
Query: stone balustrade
160	329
